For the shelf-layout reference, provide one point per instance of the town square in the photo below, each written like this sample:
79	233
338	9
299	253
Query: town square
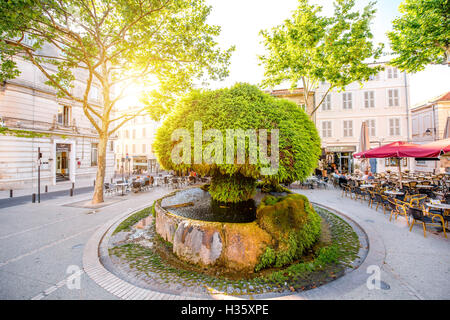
245	152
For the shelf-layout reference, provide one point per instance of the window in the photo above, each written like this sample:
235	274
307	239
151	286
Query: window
134	148
348	128
127	134
302	106
326	129
143	133
111	146
64	115
126	149
394	127
375	77
144	147
347	100
134	133
371	127
94	154
421	163
369	99
393	97
326	104
393	162
392	73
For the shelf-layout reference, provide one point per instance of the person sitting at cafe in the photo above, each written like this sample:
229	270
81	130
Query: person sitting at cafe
370	176
342	180
366	175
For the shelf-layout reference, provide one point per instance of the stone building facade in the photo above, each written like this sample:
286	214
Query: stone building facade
60	130
431	122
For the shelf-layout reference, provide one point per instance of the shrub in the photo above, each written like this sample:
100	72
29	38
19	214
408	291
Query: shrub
241	107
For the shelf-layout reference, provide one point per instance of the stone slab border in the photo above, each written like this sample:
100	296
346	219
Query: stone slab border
96	248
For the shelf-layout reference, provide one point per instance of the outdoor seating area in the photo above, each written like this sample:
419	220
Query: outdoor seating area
146	183
420	198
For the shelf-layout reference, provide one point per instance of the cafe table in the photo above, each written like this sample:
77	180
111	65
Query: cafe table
424	186
442	206
394	193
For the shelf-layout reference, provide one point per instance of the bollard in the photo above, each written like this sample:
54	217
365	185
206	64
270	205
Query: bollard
73	185
71	192
11	193
46	188
33	198
94	183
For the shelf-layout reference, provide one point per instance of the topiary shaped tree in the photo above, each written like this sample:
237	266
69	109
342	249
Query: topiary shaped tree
238	135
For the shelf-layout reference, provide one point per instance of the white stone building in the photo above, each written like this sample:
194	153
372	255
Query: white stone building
383	102
133	147
69	144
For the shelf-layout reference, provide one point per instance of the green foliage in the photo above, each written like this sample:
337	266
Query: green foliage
267	187
421	35
21	133
293	222
135	218
326	256
233	188
266	259
166	41
241	107
309	48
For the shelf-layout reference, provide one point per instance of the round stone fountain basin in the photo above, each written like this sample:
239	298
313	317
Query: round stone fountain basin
231	246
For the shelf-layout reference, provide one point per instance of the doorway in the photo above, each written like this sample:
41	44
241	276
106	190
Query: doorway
343	161
62	162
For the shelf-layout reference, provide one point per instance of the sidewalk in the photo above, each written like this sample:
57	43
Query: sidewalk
42	241
411	266
65	185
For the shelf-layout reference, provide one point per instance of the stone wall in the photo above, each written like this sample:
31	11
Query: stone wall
232	246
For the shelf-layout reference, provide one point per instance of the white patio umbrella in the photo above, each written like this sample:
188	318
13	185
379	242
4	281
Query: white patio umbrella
364	142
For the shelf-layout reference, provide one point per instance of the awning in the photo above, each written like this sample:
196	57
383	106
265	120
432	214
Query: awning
399	149
435	149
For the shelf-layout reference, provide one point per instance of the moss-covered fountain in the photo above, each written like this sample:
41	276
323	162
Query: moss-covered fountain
249	136
244	224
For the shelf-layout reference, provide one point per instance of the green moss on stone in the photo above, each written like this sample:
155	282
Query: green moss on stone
293	223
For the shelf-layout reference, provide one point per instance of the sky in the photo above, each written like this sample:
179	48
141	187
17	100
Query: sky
242	20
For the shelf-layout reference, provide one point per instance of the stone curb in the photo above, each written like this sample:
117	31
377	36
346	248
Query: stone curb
96	248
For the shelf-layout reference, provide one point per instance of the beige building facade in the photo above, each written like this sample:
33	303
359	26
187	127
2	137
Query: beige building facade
430	121
134	153
382	102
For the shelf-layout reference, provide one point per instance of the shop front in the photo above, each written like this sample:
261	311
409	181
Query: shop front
140	165
341	156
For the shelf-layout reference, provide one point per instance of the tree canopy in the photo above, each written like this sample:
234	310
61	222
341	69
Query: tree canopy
421	35
309	47
163	43
242	107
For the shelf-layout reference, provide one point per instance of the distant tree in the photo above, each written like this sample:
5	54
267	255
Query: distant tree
421	36
309	48
115	43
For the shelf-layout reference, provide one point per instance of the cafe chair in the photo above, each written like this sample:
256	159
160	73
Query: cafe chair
401	208
426	218
382	201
